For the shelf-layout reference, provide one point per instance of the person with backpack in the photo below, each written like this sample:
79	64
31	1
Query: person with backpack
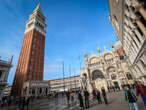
131	99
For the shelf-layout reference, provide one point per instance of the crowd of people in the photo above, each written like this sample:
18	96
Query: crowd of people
132	98
131	92
84	97
5	102
22	102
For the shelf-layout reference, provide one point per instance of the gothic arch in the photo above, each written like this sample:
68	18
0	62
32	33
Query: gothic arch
84	75
111	69
94	59
108	56
97	74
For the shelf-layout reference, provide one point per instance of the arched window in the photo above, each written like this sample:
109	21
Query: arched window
40	90
46	90
97	74
33	91
113	76
129	76
85	76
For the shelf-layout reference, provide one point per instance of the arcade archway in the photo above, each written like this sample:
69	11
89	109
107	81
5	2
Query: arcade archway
97	74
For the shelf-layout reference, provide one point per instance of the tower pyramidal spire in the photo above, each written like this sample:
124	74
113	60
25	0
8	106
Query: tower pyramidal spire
38	8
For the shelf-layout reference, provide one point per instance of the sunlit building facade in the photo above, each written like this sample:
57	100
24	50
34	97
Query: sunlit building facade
65	84
5	67
36	88
106	69
128	18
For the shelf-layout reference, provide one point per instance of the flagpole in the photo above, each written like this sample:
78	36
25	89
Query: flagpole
63	75
80	67
70	76
79	61
75	78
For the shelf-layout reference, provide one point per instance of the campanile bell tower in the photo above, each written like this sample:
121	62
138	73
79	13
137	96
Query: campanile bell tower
31	59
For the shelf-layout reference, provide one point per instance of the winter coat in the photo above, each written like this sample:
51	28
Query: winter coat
130	97
141	91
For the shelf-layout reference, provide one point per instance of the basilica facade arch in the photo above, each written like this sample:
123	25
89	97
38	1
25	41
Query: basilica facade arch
105	69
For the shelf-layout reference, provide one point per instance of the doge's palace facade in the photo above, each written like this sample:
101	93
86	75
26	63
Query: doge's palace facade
108	68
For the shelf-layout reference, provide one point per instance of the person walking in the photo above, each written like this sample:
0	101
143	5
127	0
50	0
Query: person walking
141	90
131	99
94	94
72	97
23	103
68	98
98	96
19	103
27	102
81	101
104	95
2	103
86	95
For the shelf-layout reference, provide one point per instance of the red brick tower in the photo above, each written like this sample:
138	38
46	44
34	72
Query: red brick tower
31	59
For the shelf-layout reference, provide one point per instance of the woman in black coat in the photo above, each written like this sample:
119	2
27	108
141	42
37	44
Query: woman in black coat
81	101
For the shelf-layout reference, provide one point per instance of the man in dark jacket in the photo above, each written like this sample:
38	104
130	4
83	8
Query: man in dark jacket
86	94
98	96
27	102
104	95
81	101
68	98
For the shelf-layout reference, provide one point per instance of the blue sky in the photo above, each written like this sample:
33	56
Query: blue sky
73	26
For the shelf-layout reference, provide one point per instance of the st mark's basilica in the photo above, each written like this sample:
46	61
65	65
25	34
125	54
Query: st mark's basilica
108	68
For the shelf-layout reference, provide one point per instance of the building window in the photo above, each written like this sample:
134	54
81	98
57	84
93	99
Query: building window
116	23
129	77
113	76
121	57
1	73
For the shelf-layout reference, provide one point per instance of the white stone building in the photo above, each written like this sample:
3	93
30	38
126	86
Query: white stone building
128	18
5	67
69	83
36	88
108	68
